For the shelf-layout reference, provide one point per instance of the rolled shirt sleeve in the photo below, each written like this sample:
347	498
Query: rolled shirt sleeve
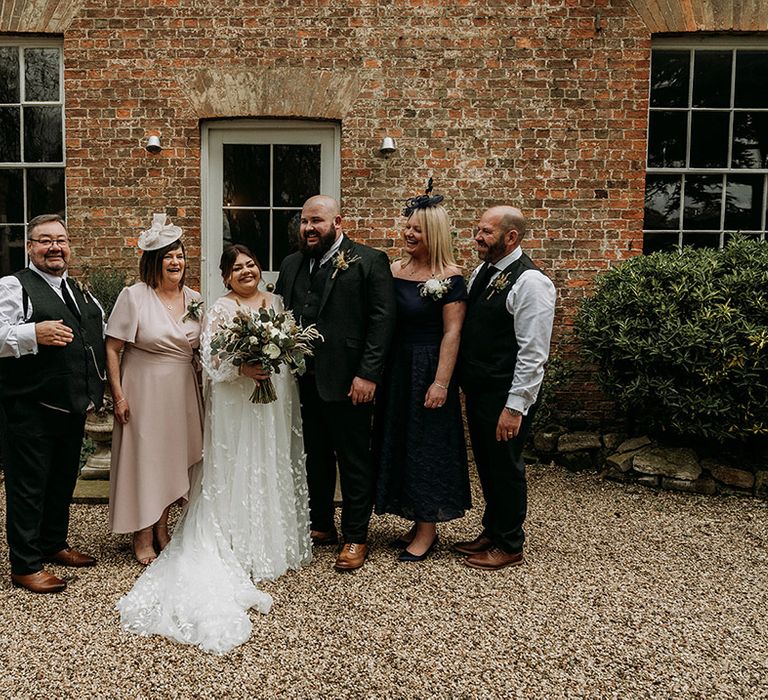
17	338
532	303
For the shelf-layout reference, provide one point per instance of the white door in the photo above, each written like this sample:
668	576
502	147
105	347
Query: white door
256	174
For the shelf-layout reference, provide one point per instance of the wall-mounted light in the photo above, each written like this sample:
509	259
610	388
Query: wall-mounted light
153	144
387	147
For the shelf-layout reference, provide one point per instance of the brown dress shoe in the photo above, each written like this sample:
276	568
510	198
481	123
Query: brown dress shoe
479	544
493	559
352	556
320	538
70	557
40	582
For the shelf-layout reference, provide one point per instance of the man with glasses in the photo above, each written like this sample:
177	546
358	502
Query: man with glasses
51	372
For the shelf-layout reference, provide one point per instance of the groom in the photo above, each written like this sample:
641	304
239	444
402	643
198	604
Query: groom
346	289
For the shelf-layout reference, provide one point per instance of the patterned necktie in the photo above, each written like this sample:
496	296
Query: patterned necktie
68	300
481	281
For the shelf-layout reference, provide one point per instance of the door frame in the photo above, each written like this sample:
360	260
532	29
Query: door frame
212	133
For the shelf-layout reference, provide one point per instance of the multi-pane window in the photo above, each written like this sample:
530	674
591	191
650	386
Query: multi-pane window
31	141
707	170
264	188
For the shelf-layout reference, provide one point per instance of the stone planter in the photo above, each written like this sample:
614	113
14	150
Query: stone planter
99	429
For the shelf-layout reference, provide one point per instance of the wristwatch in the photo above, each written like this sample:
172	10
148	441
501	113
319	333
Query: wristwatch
514	411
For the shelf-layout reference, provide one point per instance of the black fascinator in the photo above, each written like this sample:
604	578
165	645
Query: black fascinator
423	201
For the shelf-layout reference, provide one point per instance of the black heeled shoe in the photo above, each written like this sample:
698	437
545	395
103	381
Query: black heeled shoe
405	555
404	540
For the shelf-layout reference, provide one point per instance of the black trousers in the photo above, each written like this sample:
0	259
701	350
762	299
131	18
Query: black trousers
337	430
501	469
41	456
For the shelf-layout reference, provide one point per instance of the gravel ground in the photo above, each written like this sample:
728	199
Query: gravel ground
627	593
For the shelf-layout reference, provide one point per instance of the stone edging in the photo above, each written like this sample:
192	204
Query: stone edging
644	461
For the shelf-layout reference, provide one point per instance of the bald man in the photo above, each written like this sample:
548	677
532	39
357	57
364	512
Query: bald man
346	289
504	345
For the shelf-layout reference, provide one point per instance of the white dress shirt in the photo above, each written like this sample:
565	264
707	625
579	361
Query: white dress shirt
329	253
531	301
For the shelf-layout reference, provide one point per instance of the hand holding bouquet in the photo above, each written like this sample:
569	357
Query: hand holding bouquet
264	337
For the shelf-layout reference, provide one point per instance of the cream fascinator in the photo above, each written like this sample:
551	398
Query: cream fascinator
160	234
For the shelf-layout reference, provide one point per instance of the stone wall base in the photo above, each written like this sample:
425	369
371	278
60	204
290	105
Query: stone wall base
643	460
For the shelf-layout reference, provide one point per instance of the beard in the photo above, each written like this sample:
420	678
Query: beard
326	240
495	251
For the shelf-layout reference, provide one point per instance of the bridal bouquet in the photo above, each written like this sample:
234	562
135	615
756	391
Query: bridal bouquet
268	338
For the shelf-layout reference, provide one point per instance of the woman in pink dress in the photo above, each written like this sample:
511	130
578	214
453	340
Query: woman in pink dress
153	335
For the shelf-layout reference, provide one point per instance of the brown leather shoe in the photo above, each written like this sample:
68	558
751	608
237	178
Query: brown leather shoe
40	582
70	557
320	538
493	559
352	556
479	544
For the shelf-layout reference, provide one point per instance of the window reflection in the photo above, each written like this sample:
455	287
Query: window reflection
41	75
750	140
744	202
10	143
666	139
709	139
669	78
662	202
246	175
751	79
45	191
296	174
43	135
712	78
9	74
12	196
703	199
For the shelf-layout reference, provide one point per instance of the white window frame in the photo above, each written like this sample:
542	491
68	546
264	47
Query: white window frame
35	43
253	131
714	44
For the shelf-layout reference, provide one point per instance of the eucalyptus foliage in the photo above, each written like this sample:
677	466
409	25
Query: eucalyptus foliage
680	340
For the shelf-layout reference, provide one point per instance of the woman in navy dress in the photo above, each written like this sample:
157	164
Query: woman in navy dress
422	453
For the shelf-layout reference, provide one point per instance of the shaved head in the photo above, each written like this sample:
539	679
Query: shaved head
328	203
509	217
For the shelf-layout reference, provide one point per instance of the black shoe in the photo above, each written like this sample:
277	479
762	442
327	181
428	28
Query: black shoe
403	541
405	555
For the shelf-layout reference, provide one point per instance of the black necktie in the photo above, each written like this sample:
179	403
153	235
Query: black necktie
481	281
68	300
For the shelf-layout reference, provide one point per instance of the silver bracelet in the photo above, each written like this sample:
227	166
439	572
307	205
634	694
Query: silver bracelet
442	386
117	403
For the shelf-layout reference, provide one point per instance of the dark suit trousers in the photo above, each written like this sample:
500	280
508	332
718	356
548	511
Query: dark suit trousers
41	455
338	430
501	469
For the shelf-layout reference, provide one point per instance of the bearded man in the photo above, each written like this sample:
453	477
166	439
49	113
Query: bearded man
504	346
346	290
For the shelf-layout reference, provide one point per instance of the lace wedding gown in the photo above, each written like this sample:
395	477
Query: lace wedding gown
247	519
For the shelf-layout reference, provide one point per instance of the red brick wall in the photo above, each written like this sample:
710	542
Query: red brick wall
538	104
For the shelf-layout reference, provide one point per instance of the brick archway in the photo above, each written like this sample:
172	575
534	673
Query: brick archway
702	15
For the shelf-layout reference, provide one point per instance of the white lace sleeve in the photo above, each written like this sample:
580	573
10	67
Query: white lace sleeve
216	370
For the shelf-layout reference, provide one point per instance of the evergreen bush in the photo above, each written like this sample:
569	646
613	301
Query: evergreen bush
680	340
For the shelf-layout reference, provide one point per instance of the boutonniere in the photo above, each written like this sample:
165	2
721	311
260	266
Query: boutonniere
194	309
83	289
498	284
341	262
436	289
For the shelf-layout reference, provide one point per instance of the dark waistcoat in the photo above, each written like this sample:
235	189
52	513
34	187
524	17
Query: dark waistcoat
65	377
308	292
488	345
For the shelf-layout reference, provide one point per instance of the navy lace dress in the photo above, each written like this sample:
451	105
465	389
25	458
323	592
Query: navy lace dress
422	453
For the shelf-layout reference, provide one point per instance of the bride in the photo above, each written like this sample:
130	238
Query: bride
247	519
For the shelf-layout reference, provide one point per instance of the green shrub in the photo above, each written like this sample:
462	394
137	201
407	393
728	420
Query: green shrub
680	340
105	284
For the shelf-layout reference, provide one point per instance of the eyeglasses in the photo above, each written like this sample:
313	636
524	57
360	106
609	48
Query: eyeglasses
50	242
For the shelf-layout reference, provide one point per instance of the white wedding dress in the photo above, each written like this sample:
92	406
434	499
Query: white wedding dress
247	519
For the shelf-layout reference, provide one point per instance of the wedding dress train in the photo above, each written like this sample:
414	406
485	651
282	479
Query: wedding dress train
247	519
